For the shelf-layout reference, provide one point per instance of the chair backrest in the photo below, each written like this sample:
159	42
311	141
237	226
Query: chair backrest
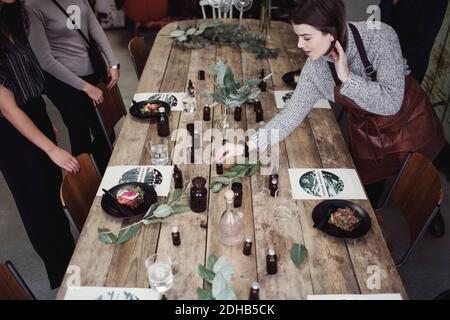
217	13
110	111
78	191
418	194
12	286
138	53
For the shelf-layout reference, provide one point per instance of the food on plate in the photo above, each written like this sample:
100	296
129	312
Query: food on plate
132	198
149	108
345	219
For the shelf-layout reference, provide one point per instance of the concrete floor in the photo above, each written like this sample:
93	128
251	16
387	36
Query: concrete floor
425	275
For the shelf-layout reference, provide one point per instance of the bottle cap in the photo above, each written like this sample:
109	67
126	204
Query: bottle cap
162	109
174	229
248	239
271	251
274	180
229	195
206	106
255	285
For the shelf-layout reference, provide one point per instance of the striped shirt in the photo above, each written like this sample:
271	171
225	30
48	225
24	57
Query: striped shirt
20	72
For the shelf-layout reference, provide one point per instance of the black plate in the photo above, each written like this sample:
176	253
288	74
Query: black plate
150	197
135	109
289	79
323	208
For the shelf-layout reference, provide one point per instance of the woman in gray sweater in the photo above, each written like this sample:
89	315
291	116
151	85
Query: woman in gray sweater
70	79
335	70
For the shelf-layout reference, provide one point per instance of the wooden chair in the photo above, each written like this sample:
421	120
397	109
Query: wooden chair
78	191
138	53
110	111
12	285
418	193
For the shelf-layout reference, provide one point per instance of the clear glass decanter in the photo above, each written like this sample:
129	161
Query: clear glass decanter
230	226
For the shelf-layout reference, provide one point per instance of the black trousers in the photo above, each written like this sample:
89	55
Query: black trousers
34	181
79	116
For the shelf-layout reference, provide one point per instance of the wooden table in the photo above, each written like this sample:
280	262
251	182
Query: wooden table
332	266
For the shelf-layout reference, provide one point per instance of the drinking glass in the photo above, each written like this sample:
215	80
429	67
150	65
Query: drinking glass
159	271
159	150
285	206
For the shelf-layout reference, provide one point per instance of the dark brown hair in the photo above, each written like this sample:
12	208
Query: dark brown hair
13	21
327	16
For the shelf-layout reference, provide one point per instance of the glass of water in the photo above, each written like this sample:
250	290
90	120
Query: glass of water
286	207
159	150
159	271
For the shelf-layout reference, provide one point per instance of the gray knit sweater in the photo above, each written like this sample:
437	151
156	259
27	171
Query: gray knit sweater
383	97
61	51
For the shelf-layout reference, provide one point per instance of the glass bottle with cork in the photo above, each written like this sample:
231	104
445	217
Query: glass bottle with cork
230	225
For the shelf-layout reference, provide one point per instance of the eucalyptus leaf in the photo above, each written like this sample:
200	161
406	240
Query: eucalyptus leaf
180	209
177	33
150	210
223	180
182	38
151	221
218	284
220	263
211	261
163	211
191	31
227	272
176	195
106	236
239	168
298	254
203	294
127	233
229	174
254	169
205	273
227	294
216	187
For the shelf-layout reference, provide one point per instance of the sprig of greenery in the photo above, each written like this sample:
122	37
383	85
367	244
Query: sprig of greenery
218	274
155	214
235	174
298	254
218	33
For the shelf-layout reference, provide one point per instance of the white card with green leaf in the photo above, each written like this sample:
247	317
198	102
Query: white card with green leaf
174	99
110	293
283	96
159	177
323	183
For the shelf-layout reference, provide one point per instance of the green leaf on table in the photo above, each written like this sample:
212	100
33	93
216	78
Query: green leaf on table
150	210
204	294
229	174
221	262
212	259
176	195
298	254
127	233
106	236
216	187
238	179
152	221
254	169
163	211
182	38
218	285
223	180
227	272
191	31
227	294
205	273
239	168
180	209
177	33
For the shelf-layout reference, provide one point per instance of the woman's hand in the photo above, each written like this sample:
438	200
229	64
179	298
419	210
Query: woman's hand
64	159
113	75
340	63
229	150
94	93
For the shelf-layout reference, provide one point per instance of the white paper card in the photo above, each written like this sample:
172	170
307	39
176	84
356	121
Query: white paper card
159	177
174	99
109	293
318	184
381	296
283	96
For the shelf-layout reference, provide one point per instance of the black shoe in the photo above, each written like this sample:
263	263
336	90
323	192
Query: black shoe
437	226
